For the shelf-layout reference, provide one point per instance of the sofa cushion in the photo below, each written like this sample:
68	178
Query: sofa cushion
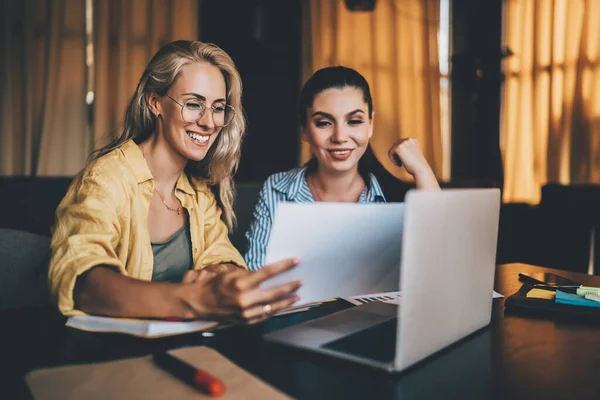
29	204
24	260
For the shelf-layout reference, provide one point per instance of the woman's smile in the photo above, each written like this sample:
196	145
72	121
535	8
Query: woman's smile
340	154
199	139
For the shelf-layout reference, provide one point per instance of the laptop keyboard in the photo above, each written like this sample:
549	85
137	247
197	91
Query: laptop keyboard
377	342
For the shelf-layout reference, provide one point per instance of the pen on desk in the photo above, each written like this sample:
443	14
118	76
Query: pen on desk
566	289
190	374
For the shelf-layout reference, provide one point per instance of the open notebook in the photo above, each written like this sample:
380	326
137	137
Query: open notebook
153	328
138	327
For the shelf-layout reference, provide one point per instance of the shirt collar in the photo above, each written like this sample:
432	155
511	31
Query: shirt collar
295	187
135	158
373	193
183	184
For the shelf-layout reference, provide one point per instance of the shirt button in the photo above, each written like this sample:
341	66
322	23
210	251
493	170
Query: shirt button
195	249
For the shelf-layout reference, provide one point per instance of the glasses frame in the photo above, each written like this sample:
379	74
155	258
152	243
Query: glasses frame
203	111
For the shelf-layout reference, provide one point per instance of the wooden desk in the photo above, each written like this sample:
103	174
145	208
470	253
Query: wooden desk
515	357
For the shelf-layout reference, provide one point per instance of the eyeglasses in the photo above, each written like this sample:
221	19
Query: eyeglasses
193	110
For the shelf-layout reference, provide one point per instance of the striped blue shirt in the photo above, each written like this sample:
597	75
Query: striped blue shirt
290	186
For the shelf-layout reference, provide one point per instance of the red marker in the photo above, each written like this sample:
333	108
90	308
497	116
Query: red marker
187	373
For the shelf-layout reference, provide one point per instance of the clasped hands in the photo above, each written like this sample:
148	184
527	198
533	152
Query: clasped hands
231	294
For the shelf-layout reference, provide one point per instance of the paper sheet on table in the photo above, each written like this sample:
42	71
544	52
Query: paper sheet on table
140	378
345	249
385	297
388	297
296	309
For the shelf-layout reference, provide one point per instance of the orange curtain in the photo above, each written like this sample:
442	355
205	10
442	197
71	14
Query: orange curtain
43	112
127	34
395	47
551	103
46	127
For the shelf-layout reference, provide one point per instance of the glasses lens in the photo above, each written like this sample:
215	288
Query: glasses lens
222	114
192	111
229	113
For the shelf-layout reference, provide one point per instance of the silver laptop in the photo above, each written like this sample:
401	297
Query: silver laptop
447	268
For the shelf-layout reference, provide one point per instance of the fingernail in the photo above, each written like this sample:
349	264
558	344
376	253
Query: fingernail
295	261
296	298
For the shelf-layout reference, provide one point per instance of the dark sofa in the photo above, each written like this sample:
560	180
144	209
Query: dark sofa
28	204
27	212
555	233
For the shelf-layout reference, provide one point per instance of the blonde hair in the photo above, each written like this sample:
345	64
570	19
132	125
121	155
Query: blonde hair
223	157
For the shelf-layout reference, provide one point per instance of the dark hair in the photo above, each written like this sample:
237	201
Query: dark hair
341	77
329	78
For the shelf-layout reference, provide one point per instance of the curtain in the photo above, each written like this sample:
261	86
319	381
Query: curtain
42	87
551	103
65	93
395	48
127	34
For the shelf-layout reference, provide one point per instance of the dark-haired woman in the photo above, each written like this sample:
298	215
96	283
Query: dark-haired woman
336	115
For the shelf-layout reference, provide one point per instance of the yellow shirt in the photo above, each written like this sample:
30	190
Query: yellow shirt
103	221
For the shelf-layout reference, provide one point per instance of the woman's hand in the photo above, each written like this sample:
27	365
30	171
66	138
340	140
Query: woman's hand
407	153
207	272
192	276
235	295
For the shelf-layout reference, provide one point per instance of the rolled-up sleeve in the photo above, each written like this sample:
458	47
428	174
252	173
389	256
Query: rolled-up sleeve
259	232
218	249
85	235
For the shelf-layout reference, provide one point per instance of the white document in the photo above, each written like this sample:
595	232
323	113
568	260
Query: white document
389	297
138	327
385	297
345	249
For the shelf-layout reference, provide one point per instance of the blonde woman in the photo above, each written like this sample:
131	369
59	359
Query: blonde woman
143	229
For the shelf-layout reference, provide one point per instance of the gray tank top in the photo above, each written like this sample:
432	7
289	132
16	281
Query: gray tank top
174	257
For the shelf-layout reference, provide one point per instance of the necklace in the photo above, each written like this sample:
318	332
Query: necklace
178	209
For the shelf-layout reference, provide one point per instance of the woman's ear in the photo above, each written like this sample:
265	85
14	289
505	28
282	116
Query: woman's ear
153	102
304	135
372	121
